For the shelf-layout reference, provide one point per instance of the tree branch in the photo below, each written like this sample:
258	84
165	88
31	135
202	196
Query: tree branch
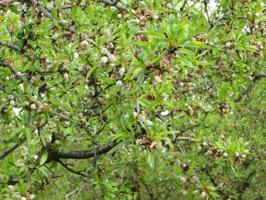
54	155
186	139
244	185
49	15
177	137
11	67
41	9
71	170
11	149
114	4
248	89
183	6
9	2
207	13
11	46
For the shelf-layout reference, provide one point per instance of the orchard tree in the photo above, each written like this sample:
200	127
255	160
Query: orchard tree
132	99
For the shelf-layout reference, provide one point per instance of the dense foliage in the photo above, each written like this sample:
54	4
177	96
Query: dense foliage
132	100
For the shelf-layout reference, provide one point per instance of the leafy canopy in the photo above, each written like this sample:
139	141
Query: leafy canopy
132	100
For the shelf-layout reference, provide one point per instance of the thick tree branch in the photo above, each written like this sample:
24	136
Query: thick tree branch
54	155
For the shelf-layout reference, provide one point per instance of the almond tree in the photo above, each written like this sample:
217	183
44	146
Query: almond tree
132	99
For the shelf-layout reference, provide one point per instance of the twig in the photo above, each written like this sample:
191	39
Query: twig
114	4
183	6
5	153
208	173
183	131
207	13
71	170
11	46
41	9
186	139
103	90
149	190
54	175
9	2
189	128
78	189
11	149
67	6
249	88
11	67
241	189
48	14
258	76
108	2
100	130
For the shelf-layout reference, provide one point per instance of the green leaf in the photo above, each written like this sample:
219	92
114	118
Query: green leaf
90	72
119	146
44	158
197	44
151	159
28	135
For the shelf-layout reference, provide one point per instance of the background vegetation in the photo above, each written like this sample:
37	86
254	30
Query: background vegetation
132	99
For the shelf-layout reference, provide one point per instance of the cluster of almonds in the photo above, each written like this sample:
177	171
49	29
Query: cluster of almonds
203	192
224	109
212	151
142	117
17	195
143	17
107	56
147	143
35	106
